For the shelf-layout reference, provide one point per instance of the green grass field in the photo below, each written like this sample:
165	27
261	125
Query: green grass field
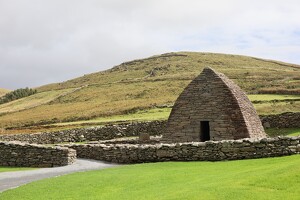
271	178
11	169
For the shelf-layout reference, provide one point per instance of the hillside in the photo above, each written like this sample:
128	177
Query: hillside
3	91
147	83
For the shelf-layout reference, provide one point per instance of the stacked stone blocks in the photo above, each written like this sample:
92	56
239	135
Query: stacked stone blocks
30	155
212	97
191	151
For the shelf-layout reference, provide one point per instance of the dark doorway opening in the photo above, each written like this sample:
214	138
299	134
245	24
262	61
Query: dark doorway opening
204	131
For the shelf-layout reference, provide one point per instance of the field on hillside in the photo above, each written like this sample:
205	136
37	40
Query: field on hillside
265	104
3	91
154	82
269	178
32	101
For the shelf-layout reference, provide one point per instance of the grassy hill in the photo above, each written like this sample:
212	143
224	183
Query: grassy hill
148	83
32	101
3	91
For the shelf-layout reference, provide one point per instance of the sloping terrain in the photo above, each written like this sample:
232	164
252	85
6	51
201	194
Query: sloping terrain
33	100
3	91
151	82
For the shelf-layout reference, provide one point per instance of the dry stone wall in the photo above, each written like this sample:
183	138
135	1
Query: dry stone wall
29	155
284	120
15	154
194	151
90	134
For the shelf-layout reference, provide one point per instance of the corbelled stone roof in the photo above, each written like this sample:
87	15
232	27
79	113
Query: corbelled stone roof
214	99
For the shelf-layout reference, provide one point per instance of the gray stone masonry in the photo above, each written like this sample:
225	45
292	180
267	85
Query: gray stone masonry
90	134
30	155
284	120
192	151
213	99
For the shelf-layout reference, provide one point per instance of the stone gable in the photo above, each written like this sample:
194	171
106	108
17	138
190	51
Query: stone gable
212	107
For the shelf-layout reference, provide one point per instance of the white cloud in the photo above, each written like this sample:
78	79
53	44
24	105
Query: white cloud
50	41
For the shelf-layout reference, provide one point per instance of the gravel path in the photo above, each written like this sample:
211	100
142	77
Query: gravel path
9	180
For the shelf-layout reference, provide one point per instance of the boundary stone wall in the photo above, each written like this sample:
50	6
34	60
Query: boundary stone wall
29	155
194	151
90	134
284	120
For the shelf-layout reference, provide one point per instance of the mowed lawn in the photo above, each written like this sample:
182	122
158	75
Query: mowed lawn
270	178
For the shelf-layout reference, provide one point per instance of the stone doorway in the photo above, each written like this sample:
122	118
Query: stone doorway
204	131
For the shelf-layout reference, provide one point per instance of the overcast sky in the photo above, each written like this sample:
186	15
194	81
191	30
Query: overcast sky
46	41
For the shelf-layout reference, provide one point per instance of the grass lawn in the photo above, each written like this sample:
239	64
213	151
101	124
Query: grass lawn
10	169
271	178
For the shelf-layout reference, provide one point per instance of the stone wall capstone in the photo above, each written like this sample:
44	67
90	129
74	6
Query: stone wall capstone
29	155
193	151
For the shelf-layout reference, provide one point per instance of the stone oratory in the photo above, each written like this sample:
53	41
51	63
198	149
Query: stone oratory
212	107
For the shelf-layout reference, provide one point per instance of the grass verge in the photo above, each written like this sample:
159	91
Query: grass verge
11	169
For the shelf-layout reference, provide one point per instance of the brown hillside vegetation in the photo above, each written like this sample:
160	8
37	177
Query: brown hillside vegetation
150	82
3	91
